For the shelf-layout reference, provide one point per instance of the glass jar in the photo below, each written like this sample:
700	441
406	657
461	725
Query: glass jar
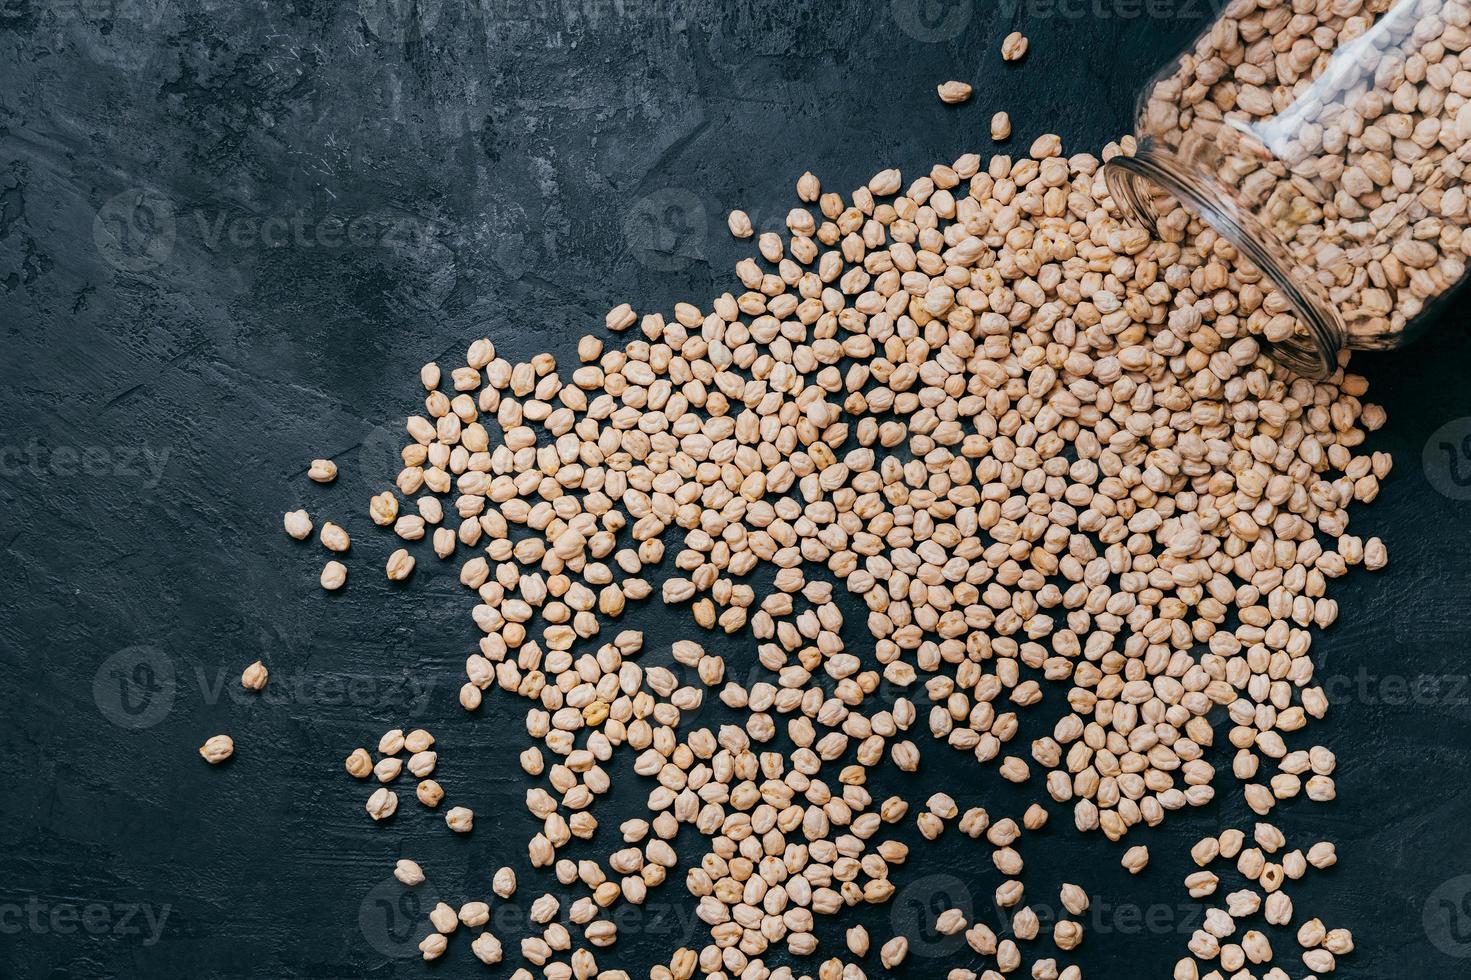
1328	141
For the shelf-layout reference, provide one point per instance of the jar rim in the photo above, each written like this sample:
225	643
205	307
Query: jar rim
1130	179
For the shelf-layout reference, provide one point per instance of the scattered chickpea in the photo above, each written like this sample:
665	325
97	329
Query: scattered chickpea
432	946
893	952
474	914
400	565
382	804
408	872
443	918
487	949
359	764
334	538
217	748
298	524
429	793
334	576
383	509
953	92
740	224
1000	126
1005	441
254	677
950	922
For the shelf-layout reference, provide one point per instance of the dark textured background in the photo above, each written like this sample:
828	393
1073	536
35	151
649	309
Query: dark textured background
231	231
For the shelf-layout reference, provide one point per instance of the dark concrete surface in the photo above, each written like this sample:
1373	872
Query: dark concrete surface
231	231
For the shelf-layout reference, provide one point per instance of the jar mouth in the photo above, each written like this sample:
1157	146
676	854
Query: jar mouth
1132	181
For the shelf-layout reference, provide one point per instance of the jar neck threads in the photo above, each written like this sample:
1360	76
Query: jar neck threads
1135	181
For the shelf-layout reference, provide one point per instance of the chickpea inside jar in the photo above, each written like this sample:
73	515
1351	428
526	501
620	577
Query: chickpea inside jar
1327	142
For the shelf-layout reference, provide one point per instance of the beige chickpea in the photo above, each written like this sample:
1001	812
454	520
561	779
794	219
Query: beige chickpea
429	793
474	914
298	524
953	92
544	909
739	224
217	748
432	946
487	949
444	918
254	677
408	872
387	770
1319	961
400	565
382	804
383	509
950	922
359	764
1136	859
334	576
334	538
